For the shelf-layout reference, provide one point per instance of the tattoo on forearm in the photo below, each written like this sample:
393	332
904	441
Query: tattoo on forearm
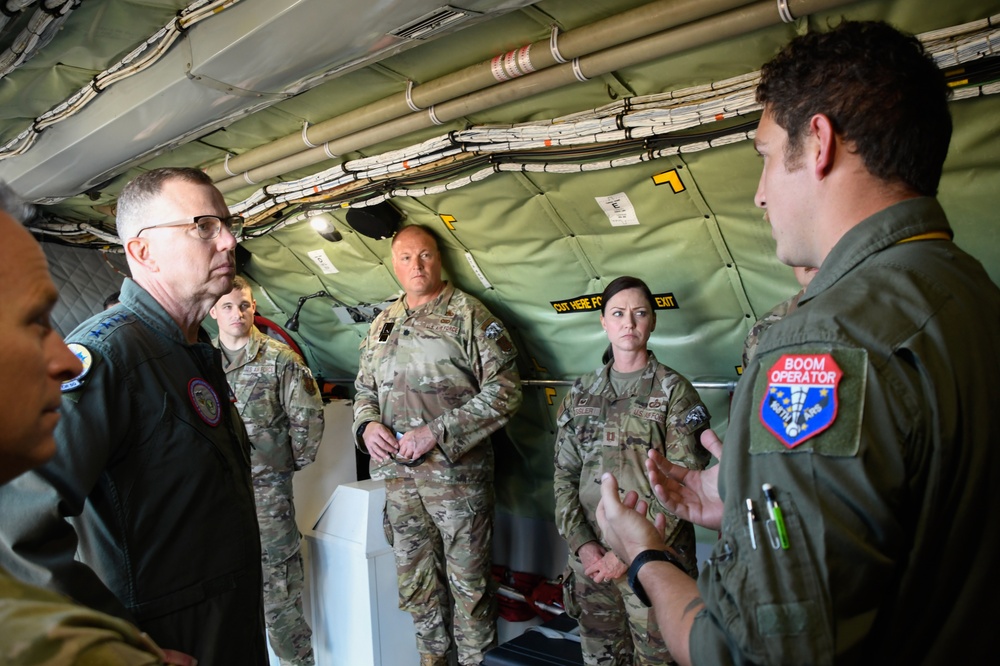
695	605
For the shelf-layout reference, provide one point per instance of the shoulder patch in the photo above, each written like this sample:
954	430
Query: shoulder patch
809	402
494	330
696	418
86	359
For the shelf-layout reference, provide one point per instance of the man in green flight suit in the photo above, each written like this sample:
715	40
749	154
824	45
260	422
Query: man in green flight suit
856	491
283	412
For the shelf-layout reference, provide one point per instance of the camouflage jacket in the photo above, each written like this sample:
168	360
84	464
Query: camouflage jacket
774	315
282	410
600	431
448	364
41	627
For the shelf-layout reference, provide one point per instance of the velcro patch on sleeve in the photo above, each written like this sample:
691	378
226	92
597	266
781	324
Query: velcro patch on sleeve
811	400
86	361
494	330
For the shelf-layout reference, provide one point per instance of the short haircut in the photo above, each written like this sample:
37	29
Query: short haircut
627	282
418	227
883	95
14	205
112	299
137	195
239	282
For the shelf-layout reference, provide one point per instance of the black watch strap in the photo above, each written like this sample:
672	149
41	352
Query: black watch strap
360	432
641	559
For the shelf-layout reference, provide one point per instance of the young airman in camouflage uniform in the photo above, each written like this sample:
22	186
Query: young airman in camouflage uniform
607	423
282	409
436	377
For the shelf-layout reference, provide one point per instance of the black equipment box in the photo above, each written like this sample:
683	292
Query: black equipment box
533	648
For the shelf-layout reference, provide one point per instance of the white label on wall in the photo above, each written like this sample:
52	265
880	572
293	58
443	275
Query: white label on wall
320	259
619	209
477	271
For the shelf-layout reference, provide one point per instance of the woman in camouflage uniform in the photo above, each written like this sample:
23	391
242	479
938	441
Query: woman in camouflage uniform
608	423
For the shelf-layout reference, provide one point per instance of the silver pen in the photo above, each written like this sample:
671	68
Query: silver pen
751	517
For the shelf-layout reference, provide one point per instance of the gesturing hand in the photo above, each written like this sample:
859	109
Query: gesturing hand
689	494
624	524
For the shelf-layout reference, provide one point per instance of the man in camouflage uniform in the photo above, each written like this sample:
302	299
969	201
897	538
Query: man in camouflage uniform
283	413
436	377
776	314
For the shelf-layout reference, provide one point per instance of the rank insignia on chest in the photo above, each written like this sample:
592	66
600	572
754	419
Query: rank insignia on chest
205	401
383	335
800	400
86	360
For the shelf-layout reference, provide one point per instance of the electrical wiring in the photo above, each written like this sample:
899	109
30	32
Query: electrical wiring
41	28
618	134
11	9
621	133
140	58
570	144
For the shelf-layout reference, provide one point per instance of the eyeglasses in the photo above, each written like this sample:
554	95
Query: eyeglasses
209	226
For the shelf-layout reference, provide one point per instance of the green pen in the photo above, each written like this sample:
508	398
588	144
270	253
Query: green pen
775	511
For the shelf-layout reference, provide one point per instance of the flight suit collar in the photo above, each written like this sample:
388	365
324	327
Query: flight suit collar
151	313
892	225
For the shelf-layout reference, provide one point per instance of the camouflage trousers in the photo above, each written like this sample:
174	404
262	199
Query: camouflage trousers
615	628
443	540
287	632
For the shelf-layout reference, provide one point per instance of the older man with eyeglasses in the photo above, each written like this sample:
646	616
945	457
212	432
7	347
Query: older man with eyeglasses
147	509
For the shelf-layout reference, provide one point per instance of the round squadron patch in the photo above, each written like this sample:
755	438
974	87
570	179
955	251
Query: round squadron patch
86	360
800	400
205	401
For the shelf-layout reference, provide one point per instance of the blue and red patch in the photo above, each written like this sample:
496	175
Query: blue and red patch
800	401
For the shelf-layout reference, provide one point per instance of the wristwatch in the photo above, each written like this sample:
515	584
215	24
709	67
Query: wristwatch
359	434
641	559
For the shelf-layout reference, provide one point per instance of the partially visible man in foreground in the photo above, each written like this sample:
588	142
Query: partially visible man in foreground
38	626
146	511
282	410
856	493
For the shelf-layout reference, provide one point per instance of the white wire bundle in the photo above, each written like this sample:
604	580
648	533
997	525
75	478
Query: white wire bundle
637	117
634	118
13	8
41	28
139	59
